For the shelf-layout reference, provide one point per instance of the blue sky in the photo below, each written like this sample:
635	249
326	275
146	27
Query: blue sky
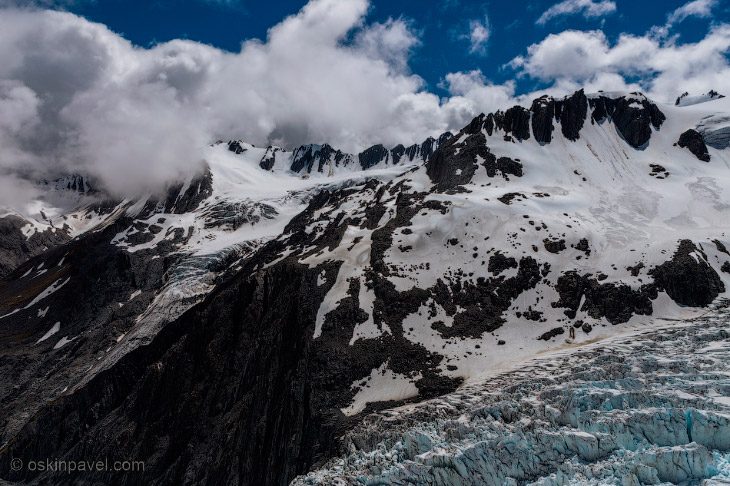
443	27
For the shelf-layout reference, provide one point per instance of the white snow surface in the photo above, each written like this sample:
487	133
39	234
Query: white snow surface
53	330
598	188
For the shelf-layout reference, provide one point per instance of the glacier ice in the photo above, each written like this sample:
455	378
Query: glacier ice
649	408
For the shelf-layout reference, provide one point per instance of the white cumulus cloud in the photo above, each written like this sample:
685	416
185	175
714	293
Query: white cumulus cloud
75	96
664	69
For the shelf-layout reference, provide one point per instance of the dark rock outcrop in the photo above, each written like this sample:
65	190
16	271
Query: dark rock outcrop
583	246
633	116
571	113
484	301
551	334
543	112
396	153
504	165
269	158
372	156
616	302
16	247
454	164
305	156
498	263
236	147
687	278
516	121
554	246
692	140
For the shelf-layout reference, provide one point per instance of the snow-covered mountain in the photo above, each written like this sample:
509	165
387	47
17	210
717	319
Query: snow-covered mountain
234	328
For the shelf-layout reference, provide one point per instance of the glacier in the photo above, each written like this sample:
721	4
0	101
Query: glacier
650	407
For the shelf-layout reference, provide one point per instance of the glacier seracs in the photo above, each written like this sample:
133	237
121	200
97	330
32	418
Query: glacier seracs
652	407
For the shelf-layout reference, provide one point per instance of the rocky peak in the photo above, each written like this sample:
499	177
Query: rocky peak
304	158
632	115
571	113
373	156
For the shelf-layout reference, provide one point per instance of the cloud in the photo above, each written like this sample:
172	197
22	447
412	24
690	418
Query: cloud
391	41
76	97
696	8
588	8
479	34
664	68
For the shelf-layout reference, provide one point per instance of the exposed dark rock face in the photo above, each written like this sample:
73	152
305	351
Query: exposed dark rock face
687	278
243	384
236	147
240	388
636	269
428	147
498	263
489	124
305	156
571	113
425	150
241	376
543	112
484	302
633	117
509	197
181	201
551	334
372	156
532	315
269	158
692	140
516	121
308	158
454	164
240	372
554	246
617	303
712	94
602	108
396	153
583	246
444	137
474	126
93	277
721	247
16	248
504	165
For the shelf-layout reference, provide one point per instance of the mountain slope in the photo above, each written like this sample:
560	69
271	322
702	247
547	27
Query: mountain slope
260	309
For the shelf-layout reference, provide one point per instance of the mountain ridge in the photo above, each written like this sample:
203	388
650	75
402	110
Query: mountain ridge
330	296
